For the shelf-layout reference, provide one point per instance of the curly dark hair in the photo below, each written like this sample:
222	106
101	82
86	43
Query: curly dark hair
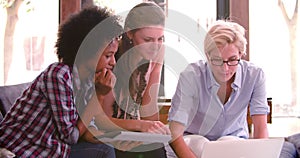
89	21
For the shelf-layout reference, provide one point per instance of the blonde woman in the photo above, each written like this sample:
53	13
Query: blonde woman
212	96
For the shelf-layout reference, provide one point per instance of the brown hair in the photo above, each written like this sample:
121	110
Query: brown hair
145	14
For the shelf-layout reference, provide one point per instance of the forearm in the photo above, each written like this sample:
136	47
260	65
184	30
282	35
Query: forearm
178	144
260	126
181	149
90	134
81	127
260	132
118	124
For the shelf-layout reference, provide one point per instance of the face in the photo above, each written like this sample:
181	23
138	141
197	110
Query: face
147	41
107	58
224	72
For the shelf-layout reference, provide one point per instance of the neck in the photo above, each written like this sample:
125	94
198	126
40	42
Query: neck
136	58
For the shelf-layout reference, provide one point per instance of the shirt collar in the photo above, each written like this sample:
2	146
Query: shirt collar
238	77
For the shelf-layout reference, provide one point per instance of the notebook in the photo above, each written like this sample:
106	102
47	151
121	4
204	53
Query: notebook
248	148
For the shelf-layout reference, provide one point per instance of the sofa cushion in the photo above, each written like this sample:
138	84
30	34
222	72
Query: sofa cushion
295	139
9	94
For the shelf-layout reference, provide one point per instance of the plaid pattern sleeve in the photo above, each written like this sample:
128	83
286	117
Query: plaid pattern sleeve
42	122
60	93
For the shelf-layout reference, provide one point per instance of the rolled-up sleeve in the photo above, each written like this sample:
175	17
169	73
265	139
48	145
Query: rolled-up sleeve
258	102
184	106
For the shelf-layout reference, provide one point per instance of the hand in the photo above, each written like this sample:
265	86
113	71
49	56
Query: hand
90	134
6	153
155	127
125	145
104	81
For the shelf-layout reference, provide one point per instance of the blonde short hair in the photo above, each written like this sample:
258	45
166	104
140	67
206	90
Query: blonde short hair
222	33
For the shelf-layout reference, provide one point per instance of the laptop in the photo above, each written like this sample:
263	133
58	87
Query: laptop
248	148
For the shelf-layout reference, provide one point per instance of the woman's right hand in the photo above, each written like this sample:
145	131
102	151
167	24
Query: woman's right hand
104	81
125	145
154	127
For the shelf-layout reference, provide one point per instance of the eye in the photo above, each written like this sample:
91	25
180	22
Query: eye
233	58
147	39
217	59
161	39
108	55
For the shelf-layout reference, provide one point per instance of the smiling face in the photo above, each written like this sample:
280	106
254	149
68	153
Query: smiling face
224	72
147	41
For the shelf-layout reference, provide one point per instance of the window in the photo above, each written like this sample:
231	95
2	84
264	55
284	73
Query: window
27	43
270	47
182	37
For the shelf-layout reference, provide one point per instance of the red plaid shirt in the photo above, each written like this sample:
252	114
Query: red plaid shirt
42	122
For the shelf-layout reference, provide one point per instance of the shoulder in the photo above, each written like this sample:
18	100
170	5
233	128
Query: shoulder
196	68
250	71
194	73
58	70
250	67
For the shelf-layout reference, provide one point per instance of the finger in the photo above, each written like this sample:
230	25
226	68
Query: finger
124	145
160	128
100	75
117	145
108	75
103	73
134	144
111	78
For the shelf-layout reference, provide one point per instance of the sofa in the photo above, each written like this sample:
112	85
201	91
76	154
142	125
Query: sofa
8	95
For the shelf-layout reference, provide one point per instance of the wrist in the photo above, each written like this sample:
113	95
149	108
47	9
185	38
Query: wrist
81	127
140	124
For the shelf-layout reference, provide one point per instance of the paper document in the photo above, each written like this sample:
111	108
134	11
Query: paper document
144	137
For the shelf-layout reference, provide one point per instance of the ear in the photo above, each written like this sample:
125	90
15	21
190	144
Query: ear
242	54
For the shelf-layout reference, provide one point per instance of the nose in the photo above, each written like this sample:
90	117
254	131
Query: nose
225	66
156	45
112	61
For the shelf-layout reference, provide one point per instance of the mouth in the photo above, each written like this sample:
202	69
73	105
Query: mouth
100	70
224	74
152	53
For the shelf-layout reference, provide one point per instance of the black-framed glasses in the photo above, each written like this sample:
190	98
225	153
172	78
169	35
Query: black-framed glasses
220	62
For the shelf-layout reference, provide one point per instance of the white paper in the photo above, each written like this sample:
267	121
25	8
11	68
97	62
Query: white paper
144	137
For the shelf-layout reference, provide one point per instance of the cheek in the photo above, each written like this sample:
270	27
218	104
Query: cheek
142	48
101	63
233	69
